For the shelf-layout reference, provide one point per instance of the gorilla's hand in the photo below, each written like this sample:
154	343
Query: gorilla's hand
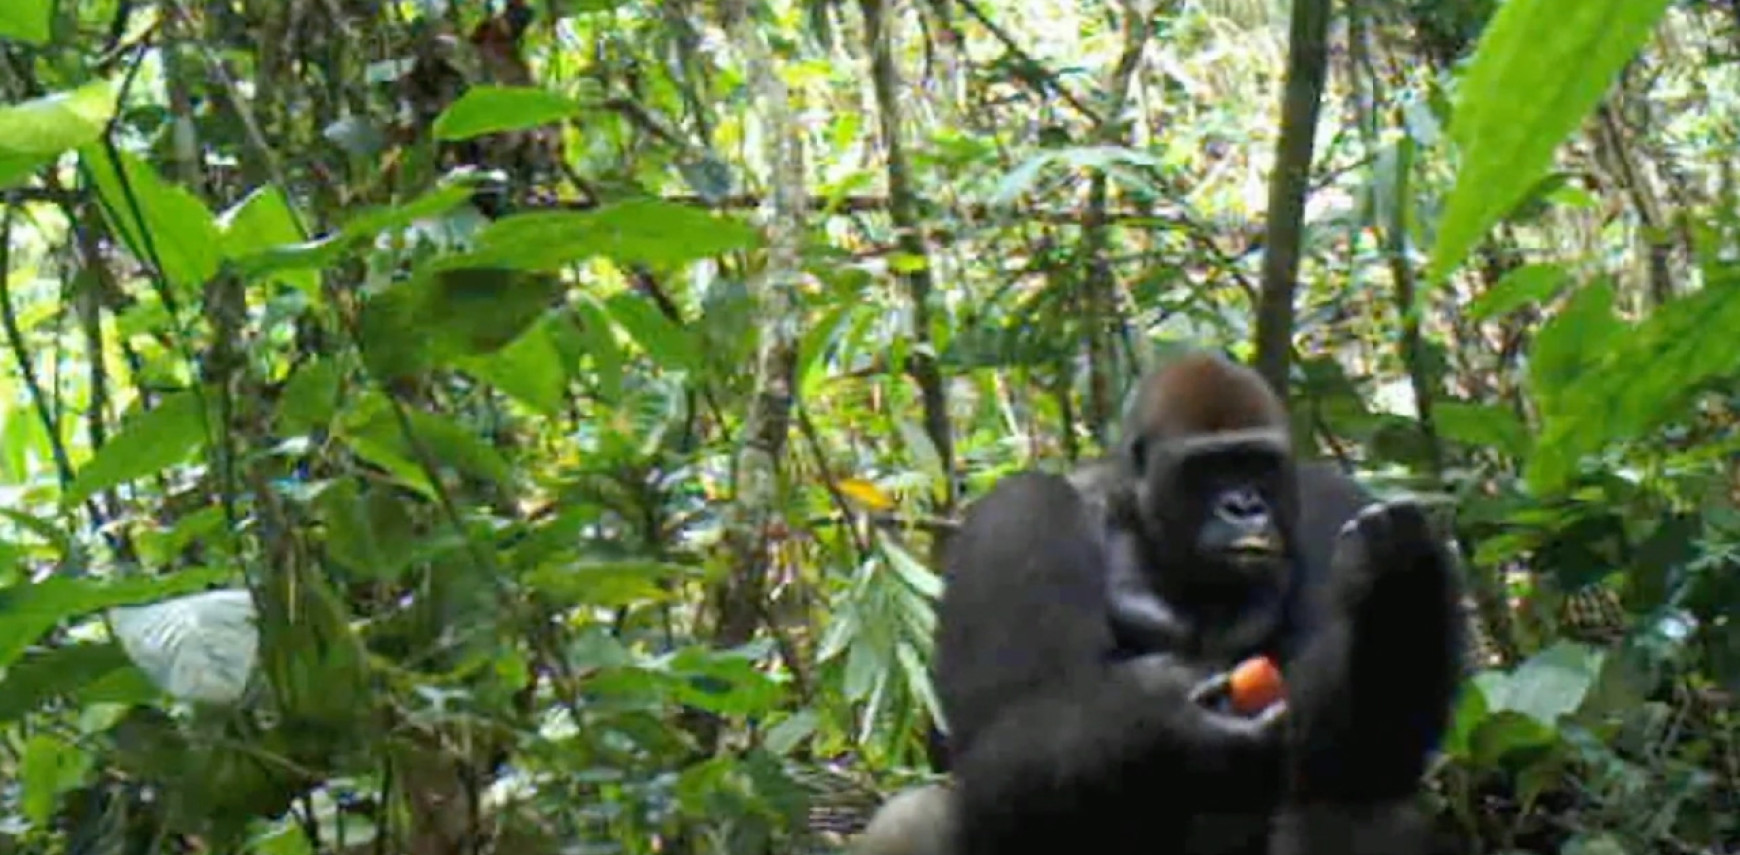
1364	726
1200	700
1382	546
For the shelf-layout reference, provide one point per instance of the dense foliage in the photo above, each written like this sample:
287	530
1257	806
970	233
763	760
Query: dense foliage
529	426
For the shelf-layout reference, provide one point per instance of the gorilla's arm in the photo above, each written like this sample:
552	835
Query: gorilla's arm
1371	693
1042	725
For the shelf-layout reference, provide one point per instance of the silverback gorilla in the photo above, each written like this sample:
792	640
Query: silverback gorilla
1089	621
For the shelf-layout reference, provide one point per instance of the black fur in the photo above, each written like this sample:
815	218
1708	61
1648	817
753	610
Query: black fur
1056	737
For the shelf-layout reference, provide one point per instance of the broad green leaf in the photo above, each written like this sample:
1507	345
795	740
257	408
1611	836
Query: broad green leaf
787	734
1527	285
665	342
35	132
179	235
1564	54
473	311
1569	343
50	766
530	369
89	673
391	336
726	682
29	610
374	433
609	584
1505	734
1629	379
448	312
455	189
200	647
371	535
633	231
310	398
1469	713
146	444
260	222
28	21
1552	683
599	335
1483	426
493	109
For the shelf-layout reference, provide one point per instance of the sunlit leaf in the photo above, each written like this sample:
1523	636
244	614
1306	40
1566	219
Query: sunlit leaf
200	647
1564	54
146	444
671	346
1530	284
486	109
530	369
866	493
50	766
633	231
163	224
258	223
1550	684
454	189
35	132
28	21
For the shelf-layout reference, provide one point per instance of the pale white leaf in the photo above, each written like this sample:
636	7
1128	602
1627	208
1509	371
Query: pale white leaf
200	647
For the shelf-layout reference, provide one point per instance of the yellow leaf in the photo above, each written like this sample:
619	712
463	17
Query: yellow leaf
865	493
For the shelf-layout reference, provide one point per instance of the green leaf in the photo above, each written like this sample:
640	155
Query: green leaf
29	610
1572	341
449	312
29	21
493	109
455	189
1629	379
376	436
610	584
1594	843
1526	285
35	132
1552	683
1483	426
634	231
370	536
50	767
665	342
530	370
146	444
310	397
474	311
599	336
260	222
726	682
88	673
1564	54
180	237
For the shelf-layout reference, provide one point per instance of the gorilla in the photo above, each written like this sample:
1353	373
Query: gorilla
1090	620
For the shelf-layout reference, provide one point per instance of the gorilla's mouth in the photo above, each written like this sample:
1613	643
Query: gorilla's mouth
1253	549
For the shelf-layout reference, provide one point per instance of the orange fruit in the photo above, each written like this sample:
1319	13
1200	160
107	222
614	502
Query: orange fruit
1255	684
